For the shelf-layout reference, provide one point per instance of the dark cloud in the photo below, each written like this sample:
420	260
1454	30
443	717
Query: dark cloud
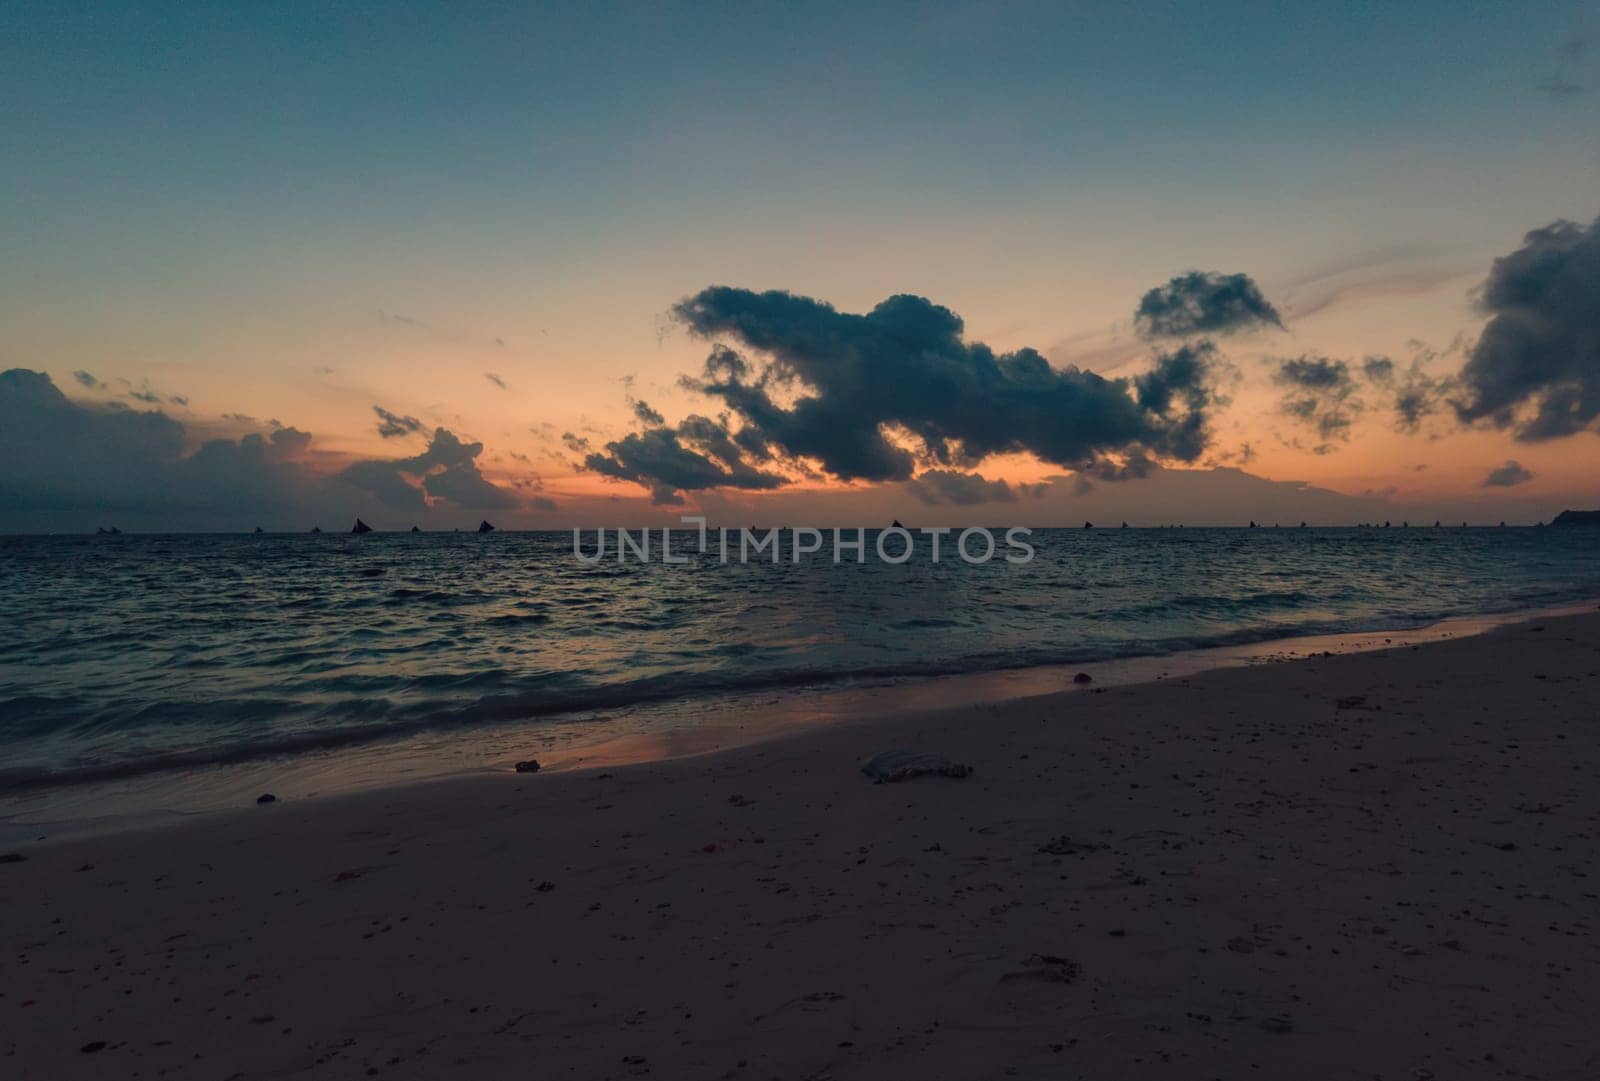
647	415
447	470
1379	370
1321	393
697	455
1129	467
876	396
54	451
1417	396
69	462
1507	476
59	456
260	470
577	444
1536	367
1324	393
1314	373
1204	303
496	380
88	380
393	425
936	486
1413	394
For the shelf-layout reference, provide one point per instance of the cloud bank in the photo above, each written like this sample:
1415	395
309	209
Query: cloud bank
63	461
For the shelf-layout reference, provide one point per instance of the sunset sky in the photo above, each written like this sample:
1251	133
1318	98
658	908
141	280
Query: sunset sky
254	219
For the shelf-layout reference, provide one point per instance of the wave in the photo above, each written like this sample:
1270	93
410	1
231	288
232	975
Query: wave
171	653
553	700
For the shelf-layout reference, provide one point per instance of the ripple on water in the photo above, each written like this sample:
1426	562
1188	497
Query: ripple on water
112	655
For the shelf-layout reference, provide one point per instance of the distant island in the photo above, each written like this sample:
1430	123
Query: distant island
1578	517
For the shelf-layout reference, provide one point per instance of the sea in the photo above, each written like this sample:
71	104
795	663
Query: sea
129	655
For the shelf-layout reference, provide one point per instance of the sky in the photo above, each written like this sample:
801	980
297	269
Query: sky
284	264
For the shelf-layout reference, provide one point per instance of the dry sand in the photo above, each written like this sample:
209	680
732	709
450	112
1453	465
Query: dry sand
1379	865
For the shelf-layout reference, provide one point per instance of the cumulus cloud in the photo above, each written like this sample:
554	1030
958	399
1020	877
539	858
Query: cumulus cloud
875	396
1204	303
646	415
392	425
1536	367
1321	393
1507	476
63	461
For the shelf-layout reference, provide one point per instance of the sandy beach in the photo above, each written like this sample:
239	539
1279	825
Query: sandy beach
587	542
1379	865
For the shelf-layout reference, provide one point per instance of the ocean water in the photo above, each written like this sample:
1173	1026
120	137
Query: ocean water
135	653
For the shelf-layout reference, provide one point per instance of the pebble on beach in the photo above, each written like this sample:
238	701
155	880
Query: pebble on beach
891	766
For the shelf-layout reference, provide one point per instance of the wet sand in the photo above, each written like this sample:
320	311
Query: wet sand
647	732
1372	865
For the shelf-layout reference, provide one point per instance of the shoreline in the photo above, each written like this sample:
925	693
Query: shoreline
645	732
1375	863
